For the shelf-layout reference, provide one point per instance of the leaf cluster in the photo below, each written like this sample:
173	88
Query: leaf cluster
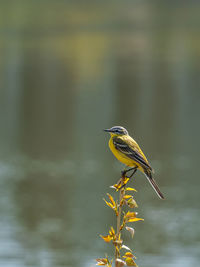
123	218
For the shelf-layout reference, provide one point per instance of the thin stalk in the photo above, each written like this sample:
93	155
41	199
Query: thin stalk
121	195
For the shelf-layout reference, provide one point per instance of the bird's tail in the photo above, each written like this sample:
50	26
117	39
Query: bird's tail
153	184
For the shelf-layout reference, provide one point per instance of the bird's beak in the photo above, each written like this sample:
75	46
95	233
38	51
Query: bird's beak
107	130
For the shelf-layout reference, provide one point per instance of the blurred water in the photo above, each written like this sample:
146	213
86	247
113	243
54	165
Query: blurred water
67	71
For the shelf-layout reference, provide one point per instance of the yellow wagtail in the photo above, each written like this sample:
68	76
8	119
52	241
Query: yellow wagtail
126	150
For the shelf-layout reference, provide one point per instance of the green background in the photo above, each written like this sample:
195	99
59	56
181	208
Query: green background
69	69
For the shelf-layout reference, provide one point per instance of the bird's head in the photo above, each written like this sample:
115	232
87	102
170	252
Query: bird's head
117	130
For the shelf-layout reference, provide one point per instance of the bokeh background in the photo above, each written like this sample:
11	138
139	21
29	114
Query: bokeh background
68	69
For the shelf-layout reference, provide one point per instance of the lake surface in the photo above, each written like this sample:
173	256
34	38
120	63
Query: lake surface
69	70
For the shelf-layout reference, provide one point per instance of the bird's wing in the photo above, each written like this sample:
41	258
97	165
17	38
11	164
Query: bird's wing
131	150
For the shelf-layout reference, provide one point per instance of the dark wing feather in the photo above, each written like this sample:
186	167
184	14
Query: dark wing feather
122	146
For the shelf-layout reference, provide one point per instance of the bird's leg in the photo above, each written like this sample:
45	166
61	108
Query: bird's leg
124	176
134	171
125	171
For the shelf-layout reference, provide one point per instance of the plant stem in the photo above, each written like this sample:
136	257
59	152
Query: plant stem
121	195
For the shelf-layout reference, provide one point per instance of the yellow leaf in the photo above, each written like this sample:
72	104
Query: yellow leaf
127	196
102	261
106	238
112	232
112	200
119	236
121	183
135	219
130	215
129	254
117	186
131	189
117	249
125	181
109	204
130	262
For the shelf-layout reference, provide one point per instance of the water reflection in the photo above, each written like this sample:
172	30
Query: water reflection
66	74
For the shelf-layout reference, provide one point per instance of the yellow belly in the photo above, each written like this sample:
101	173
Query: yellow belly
121	157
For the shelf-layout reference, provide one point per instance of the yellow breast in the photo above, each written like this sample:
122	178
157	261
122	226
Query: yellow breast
120	156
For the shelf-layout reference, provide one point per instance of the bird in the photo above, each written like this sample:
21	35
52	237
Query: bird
127	151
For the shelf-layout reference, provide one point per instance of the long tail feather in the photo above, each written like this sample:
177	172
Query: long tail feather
154	185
